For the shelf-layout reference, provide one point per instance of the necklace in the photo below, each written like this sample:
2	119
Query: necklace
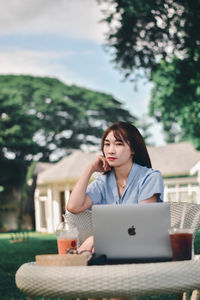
121	185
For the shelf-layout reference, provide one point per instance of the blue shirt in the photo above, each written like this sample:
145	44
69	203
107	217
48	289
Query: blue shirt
142	183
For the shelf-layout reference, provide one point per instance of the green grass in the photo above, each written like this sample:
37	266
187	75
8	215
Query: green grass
13	255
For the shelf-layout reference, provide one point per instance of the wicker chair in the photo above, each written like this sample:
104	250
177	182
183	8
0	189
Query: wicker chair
190	213
117	280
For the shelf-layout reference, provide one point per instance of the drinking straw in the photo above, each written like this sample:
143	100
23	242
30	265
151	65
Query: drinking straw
183	216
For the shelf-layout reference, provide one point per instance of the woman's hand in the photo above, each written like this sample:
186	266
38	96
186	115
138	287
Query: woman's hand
79	201
100	164
88	245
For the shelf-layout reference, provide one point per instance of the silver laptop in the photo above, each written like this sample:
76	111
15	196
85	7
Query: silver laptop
137	232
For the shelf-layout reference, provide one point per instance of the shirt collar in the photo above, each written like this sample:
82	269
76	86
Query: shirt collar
132	174
130	178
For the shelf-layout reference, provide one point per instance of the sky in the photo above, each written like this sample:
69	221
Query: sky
64	39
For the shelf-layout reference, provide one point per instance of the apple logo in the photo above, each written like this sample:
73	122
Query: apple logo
131	230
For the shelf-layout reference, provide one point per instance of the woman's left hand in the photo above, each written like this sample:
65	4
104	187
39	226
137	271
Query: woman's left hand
88	245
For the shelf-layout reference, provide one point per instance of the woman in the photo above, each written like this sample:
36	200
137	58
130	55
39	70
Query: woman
127	176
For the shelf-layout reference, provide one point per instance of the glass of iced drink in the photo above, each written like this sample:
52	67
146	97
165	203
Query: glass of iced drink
181	242
67	235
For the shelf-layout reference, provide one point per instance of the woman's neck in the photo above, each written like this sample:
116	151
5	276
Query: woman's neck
122	172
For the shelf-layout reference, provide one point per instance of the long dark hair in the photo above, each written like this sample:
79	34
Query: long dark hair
130	135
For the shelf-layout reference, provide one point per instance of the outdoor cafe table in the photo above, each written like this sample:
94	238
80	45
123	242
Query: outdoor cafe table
125	280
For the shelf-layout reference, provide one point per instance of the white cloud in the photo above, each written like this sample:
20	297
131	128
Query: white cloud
39	63
74	18
26	62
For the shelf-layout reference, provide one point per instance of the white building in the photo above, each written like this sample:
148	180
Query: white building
54	186
179	164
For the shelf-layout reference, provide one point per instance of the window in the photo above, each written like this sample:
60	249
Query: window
171	186
183	185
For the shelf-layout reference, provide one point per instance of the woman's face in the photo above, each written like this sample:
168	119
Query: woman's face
116	151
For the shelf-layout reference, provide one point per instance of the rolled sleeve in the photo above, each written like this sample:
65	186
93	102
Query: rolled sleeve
150	185
95	191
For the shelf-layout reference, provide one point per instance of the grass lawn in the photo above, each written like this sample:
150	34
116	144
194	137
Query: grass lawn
13	255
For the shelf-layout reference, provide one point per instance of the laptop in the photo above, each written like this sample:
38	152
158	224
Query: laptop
132	233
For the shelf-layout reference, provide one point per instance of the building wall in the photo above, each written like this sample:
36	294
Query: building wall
50	201
182	189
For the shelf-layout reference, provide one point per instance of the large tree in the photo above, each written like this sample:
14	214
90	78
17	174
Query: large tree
143	32
175	99
41	116
161	37
144	125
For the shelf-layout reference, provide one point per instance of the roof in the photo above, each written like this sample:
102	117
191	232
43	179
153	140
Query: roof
70	167
172	160
41	166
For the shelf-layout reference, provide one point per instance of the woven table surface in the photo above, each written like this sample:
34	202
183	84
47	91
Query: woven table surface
109	280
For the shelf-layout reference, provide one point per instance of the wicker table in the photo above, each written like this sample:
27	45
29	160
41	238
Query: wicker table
109	281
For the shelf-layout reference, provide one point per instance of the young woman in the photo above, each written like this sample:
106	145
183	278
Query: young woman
126	174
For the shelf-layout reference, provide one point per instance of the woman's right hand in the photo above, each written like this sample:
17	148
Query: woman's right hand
100	164
79	201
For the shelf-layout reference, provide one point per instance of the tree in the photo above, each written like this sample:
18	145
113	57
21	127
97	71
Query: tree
161	38
143	32
42	119
175	99
43	116
143	124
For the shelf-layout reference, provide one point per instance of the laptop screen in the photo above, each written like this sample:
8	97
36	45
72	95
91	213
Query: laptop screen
137	231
